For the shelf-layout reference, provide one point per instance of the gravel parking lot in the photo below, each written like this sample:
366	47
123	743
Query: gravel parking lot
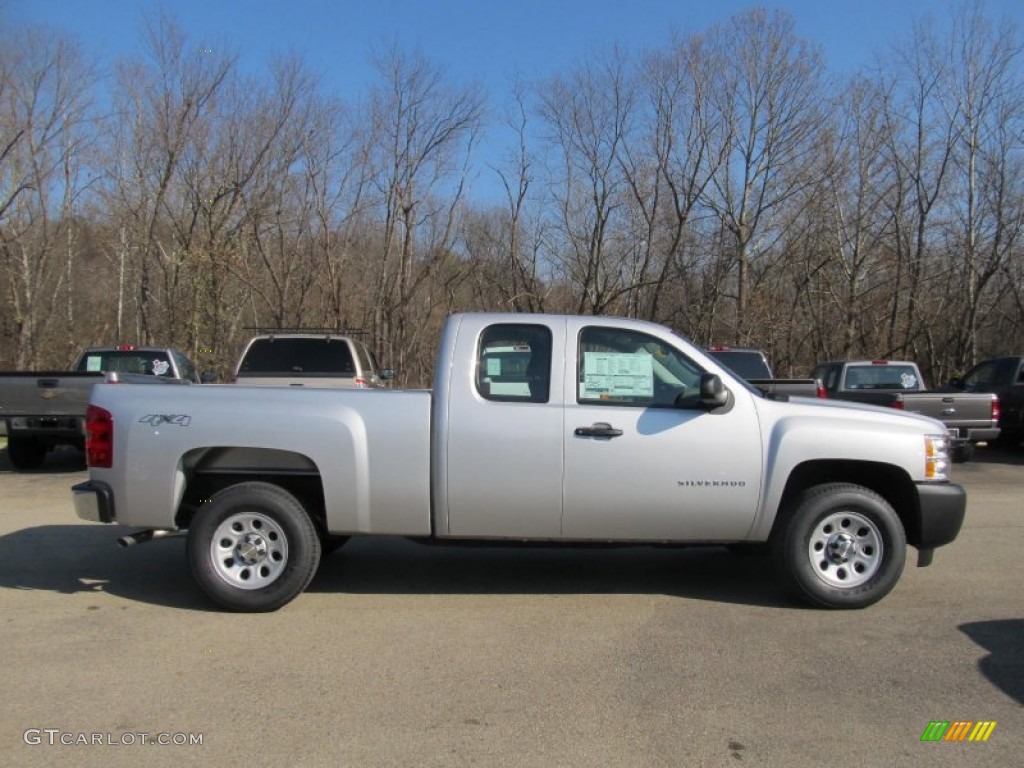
406	655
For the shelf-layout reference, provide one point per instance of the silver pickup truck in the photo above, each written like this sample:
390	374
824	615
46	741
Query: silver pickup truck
539	428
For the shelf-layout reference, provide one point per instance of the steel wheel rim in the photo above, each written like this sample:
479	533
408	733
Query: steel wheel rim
249	550
845	549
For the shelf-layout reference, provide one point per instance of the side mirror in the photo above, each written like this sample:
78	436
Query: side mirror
713	393
956	383
208	377
386	374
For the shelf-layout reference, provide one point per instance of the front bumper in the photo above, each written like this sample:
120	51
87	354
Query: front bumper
941	509
94	501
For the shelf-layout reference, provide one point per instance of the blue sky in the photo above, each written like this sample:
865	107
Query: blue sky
487	41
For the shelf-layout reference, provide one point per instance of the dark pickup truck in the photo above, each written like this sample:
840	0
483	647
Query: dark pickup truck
43	409
970	418
1003	377
752	366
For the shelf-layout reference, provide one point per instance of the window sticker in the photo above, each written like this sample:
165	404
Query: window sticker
94	363
160	367
909	381
609	375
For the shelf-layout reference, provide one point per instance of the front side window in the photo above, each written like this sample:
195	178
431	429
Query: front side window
619	367
514	363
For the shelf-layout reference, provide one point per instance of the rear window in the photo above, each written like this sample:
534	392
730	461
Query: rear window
749	365
306	357
882	377
155	363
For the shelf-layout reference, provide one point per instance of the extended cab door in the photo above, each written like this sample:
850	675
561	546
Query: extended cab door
643	459
498	465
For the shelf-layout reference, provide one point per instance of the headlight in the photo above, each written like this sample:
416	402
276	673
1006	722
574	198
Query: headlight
936	457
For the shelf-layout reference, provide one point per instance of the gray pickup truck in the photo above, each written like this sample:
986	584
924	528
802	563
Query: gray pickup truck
1003	377
539	428
40	410
970	418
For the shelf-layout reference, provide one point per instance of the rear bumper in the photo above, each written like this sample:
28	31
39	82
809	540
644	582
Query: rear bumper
94	501
941	510
974	435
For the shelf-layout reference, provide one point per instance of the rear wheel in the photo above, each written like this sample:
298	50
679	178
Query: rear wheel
843	546
962	453
25	452
253	547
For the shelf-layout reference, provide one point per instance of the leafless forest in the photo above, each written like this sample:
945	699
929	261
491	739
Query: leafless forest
726	184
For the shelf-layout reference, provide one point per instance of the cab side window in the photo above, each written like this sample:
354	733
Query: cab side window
618	367
514	363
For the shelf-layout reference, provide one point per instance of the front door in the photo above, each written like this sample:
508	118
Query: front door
643	459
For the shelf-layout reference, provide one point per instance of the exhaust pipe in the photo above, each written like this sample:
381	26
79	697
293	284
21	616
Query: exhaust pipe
141	537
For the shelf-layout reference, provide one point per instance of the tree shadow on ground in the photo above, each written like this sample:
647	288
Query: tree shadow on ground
1004	641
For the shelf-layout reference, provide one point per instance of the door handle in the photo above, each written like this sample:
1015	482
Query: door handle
600	429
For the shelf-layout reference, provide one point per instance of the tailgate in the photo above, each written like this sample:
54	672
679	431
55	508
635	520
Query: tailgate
959	411
45	394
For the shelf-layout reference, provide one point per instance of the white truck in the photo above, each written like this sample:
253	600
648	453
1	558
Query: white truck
573	430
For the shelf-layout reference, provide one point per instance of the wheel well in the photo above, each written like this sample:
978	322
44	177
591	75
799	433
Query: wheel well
888	481
209	470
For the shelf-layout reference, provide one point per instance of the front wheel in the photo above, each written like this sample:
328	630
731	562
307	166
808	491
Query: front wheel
843	546
253	547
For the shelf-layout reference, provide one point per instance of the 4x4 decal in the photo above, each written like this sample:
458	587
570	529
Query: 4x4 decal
156	419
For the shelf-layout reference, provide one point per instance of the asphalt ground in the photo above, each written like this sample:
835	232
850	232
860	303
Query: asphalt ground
407	655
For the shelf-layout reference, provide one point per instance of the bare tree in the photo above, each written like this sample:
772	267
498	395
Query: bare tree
587	115
423	129
44	96
984	101
766	99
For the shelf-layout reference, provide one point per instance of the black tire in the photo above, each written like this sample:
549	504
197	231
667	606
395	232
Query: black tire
253	548
842	546
25	452
962	453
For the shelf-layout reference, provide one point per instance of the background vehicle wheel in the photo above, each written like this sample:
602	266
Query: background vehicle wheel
25	452
843	546
253	547
963	452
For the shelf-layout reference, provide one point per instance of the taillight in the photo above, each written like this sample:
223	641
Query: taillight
821	390
361	383
996	413
898	403
99	437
